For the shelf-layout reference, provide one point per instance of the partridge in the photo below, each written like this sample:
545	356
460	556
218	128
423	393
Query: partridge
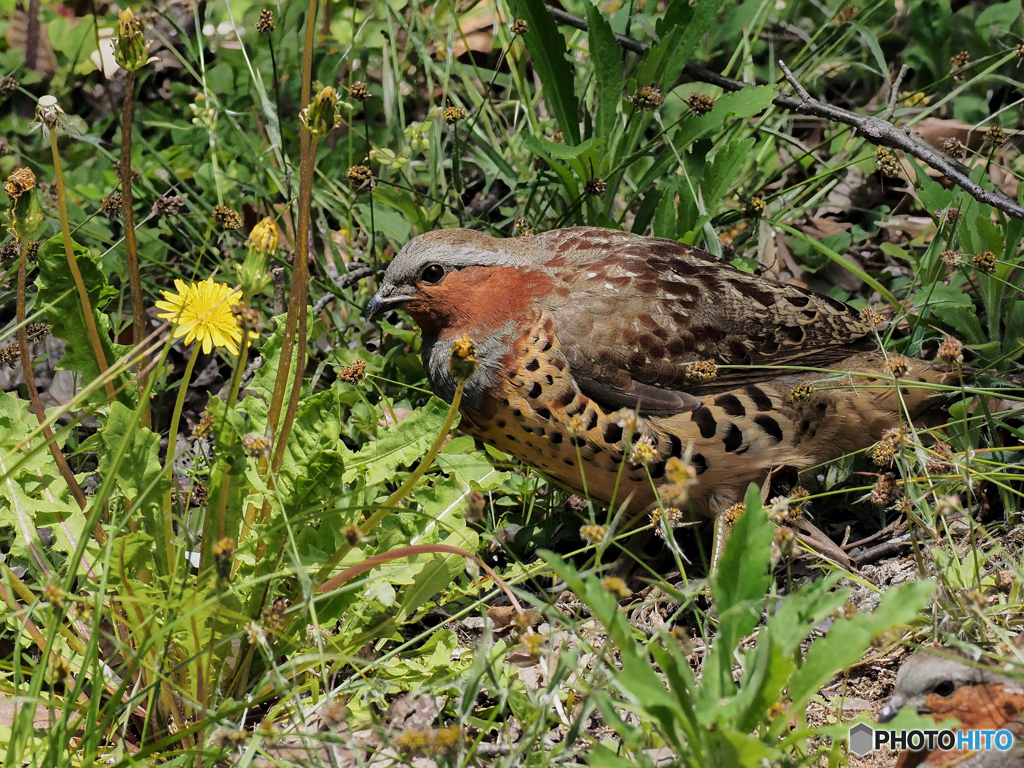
594	352
943	688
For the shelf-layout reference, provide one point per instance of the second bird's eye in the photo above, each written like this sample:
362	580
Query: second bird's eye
432	273
945	688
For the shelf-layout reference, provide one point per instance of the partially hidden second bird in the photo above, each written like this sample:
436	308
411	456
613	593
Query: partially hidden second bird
941	685
607	360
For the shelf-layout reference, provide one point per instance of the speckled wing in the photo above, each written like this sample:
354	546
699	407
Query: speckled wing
633	312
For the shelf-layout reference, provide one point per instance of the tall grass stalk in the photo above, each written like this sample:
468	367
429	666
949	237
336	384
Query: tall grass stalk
128	217
295	323
69	251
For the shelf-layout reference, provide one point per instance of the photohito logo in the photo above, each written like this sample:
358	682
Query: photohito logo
864	739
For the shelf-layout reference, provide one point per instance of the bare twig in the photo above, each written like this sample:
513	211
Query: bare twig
278	275
894	93
356	272
884	133
875	130
886	549
801	91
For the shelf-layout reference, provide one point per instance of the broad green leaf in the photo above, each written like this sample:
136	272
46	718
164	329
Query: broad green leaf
32	490
738	586
226	482
390	222
665	222
998	15
607	58
437	573
742	573
401	201
139	475
59	301
741	104
720	173
645	213
133	552
678	44
549	56
263	380
953	307
313	464
848	639
399	445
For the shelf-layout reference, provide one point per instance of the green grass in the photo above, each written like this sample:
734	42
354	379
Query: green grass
180	618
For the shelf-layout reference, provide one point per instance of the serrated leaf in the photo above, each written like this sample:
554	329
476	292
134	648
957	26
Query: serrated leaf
33	489
439	571
678	44
139	474
399	445
549	56
953	307
848	639
59	301
723	170
665	222
607	58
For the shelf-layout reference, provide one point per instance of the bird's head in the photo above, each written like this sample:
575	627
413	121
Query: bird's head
929	683
458	281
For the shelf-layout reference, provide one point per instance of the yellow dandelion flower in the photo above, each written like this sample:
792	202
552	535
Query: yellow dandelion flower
202	312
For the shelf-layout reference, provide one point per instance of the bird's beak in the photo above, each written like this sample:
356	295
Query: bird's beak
890	710
385	299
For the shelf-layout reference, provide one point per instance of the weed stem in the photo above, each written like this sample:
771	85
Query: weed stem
69	251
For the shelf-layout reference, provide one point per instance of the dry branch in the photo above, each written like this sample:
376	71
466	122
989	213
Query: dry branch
876	130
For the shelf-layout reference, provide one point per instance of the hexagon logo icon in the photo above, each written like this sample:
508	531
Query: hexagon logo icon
861	739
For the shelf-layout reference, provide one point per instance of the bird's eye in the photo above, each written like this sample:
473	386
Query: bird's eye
945	688
432	273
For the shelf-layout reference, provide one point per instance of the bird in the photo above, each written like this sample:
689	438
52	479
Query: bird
640	371
935	683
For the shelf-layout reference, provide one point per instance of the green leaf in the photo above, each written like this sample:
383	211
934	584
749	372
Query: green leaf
313	464
600	756
723	170
566	176
266	375
401	201
741	104
645	213
1003	15
387	221
607	58
953	307
227	481
848	639
742	574
133	552
58	299
638	679
665	221
438	572
399	445
677	47
32	492
738	586
548	53
139	474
